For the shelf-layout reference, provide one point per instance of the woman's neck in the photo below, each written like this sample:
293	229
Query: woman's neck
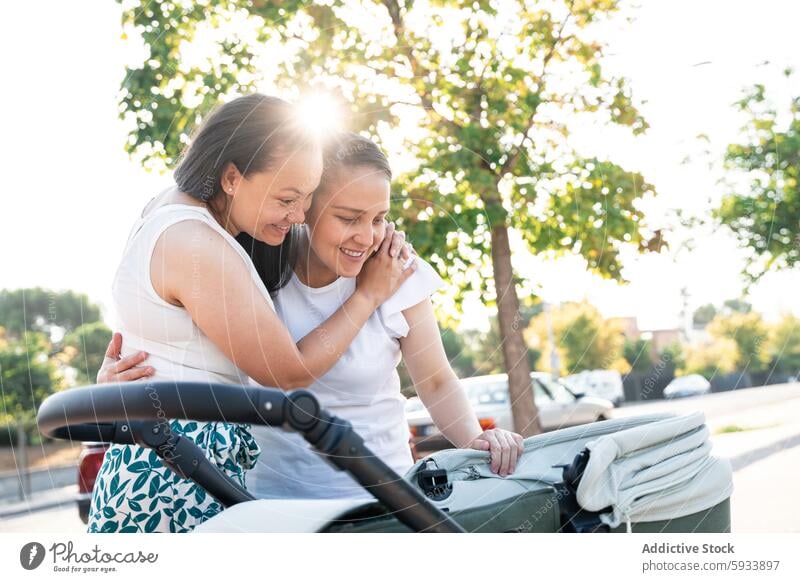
309	269
218	207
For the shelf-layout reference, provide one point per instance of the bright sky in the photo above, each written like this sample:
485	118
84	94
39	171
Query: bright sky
72	193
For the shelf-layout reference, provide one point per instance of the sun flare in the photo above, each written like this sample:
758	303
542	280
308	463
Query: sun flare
320	113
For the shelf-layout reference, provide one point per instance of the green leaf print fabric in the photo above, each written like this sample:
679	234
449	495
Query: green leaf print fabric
135	492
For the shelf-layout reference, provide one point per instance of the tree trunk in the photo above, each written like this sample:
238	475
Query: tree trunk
515	352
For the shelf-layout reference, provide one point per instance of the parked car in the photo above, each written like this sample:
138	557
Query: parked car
88	466
558	407
605	384
414	404
691	385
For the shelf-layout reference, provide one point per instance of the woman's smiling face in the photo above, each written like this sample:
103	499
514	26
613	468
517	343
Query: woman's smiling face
265	204
346	221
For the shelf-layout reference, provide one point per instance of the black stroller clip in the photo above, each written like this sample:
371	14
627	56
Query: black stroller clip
575	519
433	482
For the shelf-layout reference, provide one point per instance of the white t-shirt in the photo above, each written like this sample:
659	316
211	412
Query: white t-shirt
363	388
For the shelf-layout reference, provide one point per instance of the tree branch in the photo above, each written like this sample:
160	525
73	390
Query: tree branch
476	114
518	149
417	69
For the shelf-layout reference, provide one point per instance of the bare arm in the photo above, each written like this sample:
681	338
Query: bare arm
437	385
192	266
440	391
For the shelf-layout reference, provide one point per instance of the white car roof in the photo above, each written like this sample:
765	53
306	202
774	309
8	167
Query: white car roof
492	378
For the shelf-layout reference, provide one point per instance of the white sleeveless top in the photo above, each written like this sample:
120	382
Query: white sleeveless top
363	388
177	348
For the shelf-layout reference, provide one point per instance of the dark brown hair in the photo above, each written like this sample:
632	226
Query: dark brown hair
250	132
273	264
351	150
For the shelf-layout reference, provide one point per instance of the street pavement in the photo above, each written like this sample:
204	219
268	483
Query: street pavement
61	519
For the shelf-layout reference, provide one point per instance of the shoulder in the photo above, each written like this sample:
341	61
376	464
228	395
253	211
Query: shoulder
420	285
191	249
190	234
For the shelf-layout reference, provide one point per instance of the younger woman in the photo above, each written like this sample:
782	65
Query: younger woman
345	219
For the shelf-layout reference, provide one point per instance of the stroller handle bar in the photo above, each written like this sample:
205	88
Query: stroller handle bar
139	413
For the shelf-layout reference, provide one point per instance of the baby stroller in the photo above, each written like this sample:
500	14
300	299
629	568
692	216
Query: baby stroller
648	473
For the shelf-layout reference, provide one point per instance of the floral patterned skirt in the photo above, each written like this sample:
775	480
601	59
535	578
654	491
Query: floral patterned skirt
136	492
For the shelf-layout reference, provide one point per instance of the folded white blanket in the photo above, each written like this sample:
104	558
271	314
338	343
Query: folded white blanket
661	470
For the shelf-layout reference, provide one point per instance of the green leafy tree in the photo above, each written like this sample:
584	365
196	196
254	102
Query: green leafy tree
40	309
584	340
486	347
784	346
737	306
749	332
711	359
27	375
703	315
458	353
765	216
85	349
637	354
674	354
487	350
488	355
483	93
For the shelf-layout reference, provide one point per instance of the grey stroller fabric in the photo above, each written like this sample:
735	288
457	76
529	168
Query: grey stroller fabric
644	468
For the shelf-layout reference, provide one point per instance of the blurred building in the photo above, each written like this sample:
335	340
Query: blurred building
629	325
661	338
